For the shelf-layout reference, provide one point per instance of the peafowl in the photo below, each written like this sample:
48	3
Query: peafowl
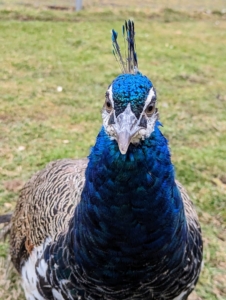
116	225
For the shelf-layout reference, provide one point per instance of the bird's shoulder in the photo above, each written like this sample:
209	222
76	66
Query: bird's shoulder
45	205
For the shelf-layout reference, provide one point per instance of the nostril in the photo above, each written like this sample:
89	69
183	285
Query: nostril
111	120
143	122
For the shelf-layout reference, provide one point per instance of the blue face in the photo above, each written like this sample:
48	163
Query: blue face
130	88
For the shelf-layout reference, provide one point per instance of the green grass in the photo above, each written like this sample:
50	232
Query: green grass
183	54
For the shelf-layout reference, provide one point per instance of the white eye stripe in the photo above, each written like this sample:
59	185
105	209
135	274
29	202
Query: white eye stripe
151	94
110	95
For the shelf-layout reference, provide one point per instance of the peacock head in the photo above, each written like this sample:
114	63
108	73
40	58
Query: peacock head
129	113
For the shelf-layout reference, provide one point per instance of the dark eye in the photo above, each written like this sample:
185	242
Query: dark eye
108	105
150	109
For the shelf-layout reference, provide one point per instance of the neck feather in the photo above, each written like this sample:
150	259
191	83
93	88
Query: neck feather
131	211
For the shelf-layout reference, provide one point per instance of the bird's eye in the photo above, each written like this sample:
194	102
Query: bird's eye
150	109
108	105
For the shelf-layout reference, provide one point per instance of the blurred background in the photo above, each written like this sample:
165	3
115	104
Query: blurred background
56	64
77	4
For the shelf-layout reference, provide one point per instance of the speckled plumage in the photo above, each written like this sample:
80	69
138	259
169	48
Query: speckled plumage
45	206
117	225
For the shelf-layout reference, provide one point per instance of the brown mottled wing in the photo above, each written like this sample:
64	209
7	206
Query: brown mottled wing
193	263
190	212
45	206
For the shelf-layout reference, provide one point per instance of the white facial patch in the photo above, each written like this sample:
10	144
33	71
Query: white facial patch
151	94
106	116
144	133
137	135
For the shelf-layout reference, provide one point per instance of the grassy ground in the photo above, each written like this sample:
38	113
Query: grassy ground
183	54
153	4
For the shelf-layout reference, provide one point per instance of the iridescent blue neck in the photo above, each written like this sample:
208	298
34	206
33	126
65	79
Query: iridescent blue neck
131	212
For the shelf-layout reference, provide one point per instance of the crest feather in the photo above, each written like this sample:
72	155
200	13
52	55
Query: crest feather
128	64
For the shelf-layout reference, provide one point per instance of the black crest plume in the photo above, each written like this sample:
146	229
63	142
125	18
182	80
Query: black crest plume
128	64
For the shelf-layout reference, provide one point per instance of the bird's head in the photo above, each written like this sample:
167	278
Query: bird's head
129	112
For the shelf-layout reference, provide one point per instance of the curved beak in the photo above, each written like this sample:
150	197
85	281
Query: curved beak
126	126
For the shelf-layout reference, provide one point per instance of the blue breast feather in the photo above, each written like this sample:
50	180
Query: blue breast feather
130	222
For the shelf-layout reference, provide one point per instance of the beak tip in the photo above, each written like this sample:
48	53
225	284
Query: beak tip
123	151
